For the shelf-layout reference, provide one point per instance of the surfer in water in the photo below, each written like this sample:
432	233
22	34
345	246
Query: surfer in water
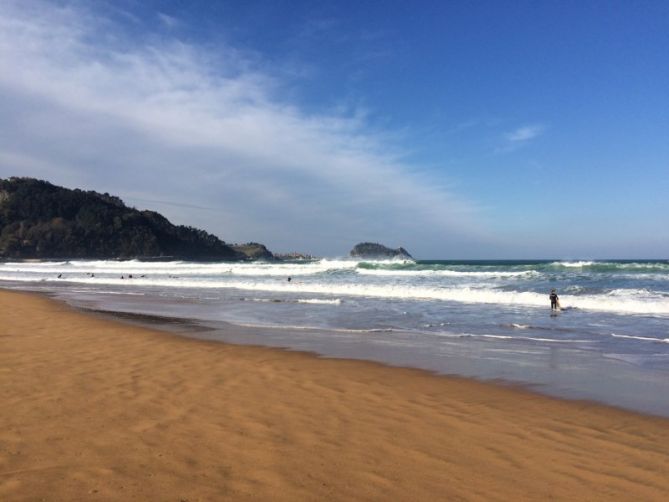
555	301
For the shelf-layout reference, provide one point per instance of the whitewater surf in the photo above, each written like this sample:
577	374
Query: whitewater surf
488	319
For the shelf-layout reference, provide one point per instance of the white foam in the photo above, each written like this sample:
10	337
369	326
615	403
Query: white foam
658	266
320	328
319	301
122	293
314	301
34	264
531	338
180	268
445	273
270	277
629	293
572	264
507	337
259	300
640	266
642	338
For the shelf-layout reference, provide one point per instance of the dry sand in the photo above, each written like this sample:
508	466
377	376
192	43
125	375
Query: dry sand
93	409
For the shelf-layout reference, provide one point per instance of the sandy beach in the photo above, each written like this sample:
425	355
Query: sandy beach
94	409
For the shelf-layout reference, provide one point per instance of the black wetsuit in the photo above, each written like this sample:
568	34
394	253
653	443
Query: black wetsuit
554	300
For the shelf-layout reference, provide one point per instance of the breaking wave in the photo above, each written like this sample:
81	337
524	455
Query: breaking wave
585	285
617	301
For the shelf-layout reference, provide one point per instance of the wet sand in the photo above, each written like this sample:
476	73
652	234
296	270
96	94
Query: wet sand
99	410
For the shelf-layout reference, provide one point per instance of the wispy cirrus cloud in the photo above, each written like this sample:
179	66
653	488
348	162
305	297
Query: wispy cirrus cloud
519	137
159	119
524	134
167	20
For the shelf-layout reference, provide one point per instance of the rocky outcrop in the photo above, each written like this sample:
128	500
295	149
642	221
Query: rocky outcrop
41	220
374	250
253	251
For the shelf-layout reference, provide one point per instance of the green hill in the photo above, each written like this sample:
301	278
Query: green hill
41	220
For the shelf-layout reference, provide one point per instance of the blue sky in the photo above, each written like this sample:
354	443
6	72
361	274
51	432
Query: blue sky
455	129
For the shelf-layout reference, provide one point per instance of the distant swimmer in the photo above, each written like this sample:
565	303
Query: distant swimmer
60	276
289	279
555	301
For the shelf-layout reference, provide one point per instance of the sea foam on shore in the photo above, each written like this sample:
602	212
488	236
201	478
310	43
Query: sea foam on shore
447	316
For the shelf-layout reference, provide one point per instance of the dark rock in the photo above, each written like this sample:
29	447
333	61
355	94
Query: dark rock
374	250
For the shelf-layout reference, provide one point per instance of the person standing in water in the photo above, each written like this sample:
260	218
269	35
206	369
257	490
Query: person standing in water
555	301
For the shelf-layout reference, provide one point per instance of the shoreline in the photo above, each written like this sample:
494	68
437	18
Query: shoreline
101	408
195	329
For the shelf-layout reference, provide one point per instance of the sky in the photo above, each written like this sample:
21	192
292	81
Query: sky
457	129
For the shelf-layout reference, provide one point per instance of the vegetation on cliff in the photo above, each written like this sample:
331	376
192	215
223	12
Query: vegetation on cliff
41	220
254	251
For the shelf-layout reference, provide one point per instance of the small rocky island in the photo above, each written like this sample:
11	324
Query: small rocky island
373	250
254	251
41	220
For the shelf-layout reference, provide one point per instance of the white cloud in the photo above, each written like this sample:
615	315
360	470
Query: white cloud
524	134
167	20
160	119
519	137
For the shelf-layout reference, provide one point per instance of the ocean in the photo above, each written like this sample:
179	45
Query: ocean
483	319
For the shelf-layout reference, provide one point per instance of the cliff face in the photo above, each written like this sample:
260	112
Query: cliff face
378	251
40	220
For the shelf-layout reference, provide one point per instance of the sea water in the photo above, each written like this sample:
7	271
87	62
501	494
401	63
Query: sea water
485	319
